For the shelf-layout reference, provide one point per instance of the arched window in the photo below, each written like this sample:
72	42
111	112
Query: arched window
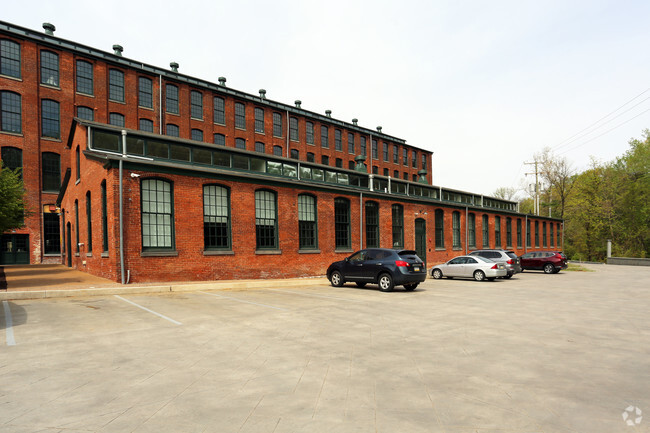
455	226
486	231
509	232
116	85
12	158
471	230
171	99
145	92
85	113
196	104
50	121
497	231
49	68
85	77
9	58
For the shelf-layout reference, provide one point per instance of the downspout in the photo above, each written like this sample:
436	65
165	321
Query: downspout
466	228
361	221
160	110
122	208
526	235
369	151
287	133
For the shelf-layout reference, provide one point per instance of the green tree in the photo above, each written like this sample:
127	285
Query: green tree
12	199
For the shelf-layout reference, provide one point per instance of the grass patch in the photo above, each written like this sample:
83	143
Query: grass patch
574	267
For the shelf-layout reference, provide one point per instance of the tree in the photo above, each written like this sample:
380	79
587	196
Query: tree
505	193
558	177
12	199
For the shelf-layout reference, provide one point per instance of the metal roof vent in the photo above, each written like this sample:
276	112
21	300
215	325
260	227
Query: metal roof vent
174	66
355	122
297	102
222	81
117	50
262	94
328	113
49	29
379	129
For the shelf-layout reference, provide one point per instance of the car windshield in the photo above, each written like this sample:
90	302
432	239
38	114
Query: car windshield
409	255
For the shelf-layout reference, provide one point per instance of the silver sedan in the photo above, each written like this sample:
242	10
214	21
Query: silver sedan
476	267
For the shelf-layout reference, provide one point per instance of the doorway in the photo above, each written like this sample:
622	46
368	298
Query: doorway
14	249
421	239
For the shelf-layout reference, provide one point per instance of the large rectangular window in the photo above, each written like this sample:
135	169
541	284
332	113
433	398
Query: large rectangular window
372	224
216	217
385	151
259	120
266	219
196	104
536	234
219	114
89	224
351	143
486	231
116	85
551	238
440	228
363	146
157	209
51	164
342	223
307	233
145	92
293	129
338	144
49	68
497	231
324	137
309	132
9	58
375	154
50	120
544	234
240	115
51	234
11	114
519	244
398	226
509	232
528	235
171	99
455	226
277	125
85	77
104	218
471	230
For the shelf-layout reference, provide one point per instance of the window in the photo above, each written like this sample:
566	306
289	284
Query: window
157	211
9	58
424	162
309	130
50	123
197	135
386	172
104	218
405	157
146	125
172	130
259	147
116	85
310	157
363	146
455	226
471	230
398	225
196	104
85	113
78	162
338	163
395	154
89	224
375	169
351	165
406	176
307	235
372	224
85	77
240	143
259	120
49	68
486	232
338	145
51	234
220	139
558	236
12	158
509	232
528	243
324	137
145	92
375	151
240	115
552	241
351	143
293	129
396	174
415	178
385	151
497	231
537	234
519	232
277	125
11	114
440	228
277	150
171	99
295	154
216	217
219	110
544	234
414	159
325	160
116	119
51	163
266	219
342	223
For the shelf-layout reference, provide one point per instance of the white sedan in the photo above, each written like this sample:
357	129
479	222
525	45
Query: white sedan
476	267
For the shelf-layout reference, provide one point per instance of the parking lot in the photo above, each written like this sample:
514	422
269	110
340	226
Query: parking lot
568	352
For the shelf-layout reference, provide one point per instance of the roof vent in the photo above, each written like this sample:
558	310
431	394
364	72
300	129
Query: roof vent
49	29
262	94
174	66
297	102
222	81
355	122
117	49
328	113
379	129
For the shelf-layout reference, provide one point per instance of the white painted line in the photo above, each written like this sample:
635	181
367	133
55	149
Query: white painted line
241	300
315	295
8	325
151	311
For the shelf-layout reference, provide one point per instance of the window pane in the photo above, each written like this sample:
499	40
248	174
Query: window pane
11	115
116	85
145	92
171	99
196	104
9	58
146	125
219	111
157	214
86	113
50	119
216	217
51	171
49	68
84	77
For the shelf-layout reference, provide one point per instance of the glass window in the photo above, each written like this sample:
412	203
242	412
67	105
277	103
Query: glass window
293	129
76	217
49	68
116	119
342	223
405	157
240	143
240	115
528	243
395	154
424	161
266	222
85	113
440	228
85	77
471	230
197	135
338	163
351	165
486	232
116	85
455	226
104	218
537	234
324	137
51	234
78	162
157	211
307	234
398	225
51	164
414	159
385	151
375	150
259	147
50	123
337	140
277	150
146	125
219	115
519	233
557	233
544	234
311	157
172	130
220	139
551	239
295	154
325	160
145	92
12	158
497	231
89	224
277	125
9	58
309	130
196	104
509	232
171	99
363	146
351	143
216	217
11	114
259	120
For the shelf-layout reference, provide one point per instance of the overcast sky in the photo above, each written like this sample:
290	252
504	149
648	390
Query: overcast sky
483	84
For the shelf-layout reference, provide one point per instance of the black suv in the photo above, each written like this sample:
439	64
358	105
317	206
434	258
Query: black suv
385	267
507	257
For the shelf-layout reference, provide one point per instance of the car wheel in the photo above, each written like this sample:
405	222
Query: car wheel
436	274
549	268
360	284
479	275
336	279
410	287
386	283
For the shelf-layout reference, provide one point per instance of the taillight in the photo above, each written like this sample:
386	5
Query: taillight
494	267
510	262
401	263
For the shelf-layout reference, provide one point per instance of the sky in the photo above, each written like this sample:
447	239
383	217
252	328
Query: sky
484	85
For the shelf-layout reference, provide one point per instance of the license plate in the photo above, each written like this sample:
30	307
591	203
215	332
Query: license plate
416	268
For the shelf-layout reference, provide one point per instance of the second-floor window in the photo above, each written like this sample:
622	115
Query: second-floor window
49	68
85	77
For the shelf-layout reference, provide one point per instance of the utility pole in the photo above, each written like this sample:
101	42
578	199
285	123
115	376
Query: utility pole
536	201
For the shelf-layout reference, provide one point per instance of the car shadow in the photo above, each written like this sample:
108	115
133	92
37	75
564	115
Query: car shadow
18	315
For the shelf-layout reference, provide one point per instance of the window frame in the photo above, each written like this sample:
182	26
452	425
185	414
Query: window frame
372	224
172	238
439	223
84	77
307	229
145	92
115	85
397	211
49	176
171	99
10	57
50	124
50	68
342	224
227	230
266	235
11	111
455	227
196	105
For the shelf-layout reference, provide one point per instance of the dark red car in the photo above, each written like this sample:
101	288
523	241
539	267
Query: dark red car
551	262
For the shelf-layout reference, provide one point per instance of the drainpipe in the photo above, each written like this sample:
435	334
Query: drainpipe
121	208
287	133
526	235
466	228
361	221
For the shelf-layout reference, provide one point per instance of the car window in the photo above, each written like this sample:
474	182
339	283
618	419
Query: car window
492	255
357	257
408	255
457	261
527	256
511	254
471	260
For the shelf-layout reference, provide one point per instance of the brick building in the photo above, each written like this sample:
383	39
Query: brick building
216	183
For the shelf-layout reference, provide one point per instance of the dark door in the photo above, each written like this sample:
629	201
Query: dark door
14	249
68	245
421	239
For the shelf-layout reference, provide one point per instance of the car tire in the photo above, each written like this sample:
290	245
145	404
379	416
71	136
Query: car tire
361	284
385	282
410	287
436	274
336	279
549	268
479	275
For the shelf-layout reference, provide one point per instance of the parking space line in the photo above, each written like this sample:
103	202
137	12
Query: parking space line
151	311
315	295
241	300
8	325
